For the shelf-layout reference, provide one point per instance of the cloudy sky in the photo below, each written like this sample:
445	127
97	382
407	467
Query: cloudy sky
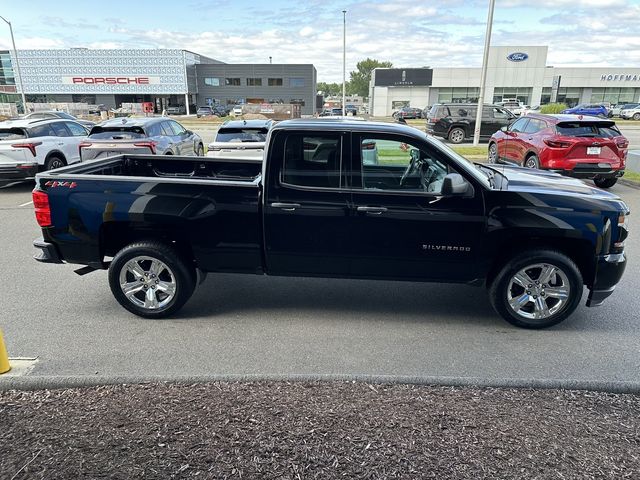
405	32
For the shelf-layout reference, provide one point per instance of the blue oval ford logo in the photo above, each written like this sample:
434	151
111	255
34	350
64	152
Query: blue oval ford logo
517	57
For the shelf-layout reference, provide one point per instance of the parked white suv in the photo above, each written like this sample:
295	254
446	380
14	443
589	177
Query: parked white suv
630	113
30	146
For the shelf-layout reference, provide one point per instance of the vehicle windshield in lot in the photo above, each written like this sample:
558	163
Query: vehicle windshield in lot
587	129
117	133
65	115
242	135
12	134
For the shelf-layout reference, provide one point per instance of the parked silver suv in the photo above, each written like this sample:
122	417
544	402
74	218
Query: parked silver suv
146	135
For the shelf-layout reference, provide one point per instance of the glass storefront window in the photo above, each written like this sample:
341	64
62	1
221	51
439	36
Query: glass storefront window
546	96
522	94
569	96
458	95
614	95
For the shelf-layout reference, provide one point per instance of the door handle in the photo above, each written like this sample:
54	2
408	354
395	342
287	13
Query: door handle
287	207
372	210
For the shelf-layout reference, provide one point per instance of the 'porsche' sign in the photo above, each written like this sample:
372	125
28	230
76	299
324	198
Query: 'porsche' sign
110	80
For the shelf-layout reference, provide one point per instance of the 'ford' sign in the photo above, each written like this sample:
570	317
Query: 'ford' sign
517	57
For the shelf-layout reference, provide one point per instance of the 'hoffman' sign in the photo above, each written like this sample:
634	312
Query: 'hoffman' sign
620	77
110	80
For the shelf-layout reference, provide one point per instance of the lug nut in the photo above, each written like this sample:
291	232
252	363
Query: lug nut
529	286
153	287
528	292
542	294
535	296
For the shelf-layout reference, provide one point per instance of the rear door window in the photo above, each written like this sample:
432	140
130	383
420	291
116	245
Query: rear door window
155	130
12	134
76	129
519	125
42	131
312	161
60	129
534	126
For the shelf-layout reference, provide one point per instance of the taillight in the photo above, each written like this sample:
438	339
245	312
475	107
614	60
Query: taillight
622	143
150	144
41	204
31	146
556	143
83	145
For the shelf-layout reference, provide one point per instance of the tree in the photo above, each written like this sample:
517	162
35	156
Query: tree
360	78
330	89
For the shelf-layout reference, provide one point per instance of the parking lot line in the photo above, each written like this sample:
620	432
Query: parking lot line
25	204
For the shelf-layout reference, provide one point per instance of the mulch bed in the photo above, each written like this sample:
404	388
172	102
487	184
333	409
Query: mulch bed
280	430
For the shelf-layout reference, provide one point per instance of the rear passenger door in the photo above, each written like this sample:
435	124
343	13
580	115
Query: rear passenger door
67	143
306	209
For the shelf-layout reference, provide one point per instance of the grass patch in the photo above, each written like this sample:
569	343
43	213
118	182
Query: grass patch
470	150
632	176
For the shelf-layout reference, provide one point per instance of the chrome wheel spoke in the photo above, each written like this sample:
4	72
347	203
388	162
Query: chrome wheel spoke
522	279
155	268
518	302
167	287
131	288
150	299
557	292
546	273
135	269
541	308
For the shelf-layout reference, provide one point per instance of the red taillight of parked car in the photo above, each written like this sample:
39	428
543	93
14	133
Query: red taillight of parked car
41	204
622	143
556	143
83	145
31	146
151	145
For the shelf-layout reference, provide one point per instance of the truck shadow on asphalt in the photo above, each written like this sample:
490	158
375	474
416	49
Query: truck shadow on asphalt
223	294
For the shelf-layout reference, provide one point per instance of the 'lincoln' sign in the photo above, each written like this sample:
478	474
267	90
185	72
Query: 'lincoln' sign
110	80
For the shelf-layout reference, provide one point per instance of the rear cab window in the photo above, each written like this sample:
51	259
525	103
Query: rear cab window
312	161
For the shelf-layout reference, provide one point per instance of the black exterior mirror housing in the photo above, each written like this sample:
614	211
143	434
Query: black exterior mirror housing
455	184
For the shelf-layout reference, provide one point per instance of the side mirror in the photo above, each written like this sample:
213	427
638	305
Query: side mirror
504	128
454	184
188	132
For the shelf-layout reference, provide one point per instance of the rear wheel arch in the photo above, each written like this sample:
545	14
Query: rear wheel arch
51	155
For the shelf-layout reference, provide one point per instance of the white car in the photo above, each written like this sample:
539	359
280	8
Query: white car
630	113
513	105
32	145
237	111
240	139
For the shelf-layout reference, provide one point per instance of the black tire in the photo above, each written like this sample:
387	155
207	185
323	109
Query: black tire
531	162
605	182
636	116
492	153
53	162
178	273
456	135
504	287
200	150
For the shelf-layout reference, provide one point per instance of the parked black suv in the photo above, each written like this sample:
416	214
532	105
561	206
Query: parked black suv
457	121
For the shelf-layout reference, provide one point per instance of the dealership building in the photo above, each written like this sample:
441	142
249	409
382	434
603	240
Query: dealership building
512	72
165	77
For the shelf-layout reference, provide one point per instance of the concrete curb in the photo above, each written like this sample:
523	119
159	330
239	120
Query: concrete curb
629	183
62	382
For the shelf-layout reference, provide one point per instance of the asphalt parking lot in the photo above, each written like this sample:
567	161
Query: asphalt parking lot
248	325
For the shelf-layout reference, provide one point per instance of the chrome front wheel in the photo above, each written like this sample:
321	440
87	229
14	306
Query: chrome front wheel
538	291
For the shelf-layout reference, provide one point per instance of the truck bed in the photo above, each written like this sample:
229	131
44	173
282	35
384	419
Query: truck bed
168	167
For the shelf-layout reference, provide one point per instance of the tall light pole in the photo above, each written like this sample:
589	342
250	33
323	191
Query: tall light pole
344	62
483	80
15	53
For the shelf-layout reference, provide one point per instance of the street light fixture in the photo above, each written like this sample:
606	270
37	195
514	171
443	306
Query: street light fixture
15	54
344	62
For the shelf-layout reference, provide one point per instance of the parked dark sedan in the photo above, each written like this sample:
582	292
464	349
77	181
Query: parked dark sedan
408	113
144	135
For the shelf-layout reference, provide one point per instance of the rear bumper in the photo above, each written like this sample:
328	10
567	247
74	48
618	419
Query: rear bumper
48	252
609	271
17	171
590	170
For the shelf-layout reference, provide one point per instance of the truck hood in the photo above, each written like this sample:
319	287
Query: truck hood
527	180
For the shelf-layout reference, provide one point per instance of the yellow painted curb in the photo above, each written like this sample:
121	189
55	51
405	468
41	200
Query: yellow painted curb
4	358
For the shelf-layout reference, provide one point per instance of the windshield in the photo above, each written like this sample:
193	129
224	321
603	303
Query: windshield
117	133
242	135
12	134
588	129
65	115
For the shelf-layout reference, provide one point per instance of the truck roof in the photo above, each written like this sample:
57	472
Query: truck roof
341	124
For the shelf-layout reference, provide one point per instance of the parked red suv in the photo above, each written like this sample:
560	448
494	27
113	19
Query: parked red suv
574	145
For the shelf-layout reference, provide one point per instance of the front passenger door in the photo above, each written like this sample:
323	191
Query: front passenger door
402	226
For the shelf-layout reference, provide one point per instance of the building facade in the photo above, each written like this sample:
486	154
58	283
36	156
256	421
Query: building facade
231	84
167	77
512	72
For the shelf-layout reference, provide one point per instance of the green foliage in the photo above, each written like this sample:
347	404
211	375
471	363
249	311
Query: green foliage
359	79
331	89
553	108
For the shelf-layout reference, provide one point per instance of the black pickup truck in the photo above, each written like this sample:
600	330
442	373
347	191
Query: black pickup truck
336	198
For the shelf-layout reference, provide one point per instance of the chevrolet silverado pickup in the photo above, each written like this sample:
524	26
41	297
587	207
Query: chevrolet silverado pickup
316	205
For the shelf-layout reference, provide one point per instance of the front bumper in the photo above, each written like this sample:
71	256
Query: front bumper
17	171
609	271
48	252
